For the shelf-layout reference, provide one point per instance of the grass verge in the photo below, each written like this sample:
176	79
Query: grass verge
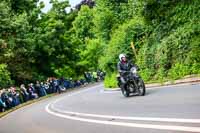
164	82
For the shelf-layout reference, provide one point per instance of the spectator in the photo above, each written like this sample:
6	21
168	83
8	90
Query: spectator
25	94
61	84
66	84
15	96
37	88
72	84
94	75
86	75
56	86
102	74
6	99
47	87
83	82
90	76
42	89
12	97
2	103
51	86
31	91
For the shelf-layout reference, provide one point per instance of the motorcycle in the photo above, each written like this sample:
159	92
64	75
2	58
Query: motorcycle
134	83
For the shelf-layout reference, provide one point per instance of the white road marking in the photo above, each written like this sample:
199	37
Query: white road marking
157	119
151	126
126	124
109	91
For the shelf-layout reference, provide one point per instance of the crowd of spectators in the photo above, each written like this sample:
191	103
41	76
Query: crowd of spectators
14	96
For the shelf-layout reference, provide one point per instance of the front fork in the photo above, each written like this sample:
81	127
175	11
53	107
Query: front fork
136	81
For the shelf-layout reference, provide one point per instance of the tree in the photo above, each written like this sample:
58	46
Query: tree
83	23
16	35
55	47
5	79
89	3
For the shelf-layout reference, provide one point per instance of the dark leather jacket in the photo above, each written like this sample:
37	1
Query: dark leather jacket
123	67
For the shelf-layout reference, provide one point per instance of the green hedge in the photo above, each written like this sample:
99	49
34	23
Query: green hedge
111	80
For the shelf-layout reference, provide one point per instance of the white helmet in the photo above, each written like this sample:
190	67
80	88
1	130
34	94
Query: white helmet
121	56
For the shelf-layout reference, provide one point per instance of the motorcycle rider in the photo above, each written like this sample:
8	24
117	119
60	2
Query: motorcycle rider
123	67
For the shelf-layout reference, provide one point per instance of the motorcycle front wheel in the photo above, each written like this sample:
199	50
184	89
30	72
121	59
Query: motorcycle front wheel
125	93
141	87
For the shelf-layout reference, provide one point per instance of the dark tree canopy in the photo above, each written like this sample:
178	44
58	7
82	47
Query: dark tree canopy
89	3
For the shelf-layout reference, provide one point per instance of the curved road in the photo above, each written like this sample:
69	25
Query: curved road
171	109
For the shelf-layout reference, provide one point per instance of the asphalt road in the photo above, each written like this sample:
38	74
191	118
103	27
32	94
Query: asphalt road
171	109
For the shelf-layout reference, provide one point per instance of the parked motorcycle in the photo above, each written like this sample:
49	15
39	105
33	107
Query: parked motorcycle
134	84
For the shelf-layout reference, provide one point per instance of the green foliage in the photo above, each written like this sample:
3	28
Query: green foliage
35	45
178	71
174	40
110	80
91	54
16	35
56	46
83	23
120	43
103	22
195	69
5	79
146	74
66	72
161	75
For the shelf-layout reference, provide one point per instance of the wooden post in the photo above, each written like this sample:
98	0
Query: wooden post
134	50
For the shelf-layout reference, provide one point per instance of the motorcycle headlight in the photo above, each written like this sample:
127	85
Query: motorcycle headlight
134	70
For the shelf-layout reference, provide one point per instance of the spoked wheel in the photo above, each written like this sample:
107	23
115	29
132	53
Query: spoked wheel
141	87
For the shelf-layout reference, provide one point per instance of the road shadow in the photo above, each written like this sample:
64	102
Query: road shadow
149	91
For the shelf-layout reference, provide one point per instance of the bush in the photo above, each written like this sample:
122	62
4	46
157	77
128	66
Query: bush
110	80
146	74
161	75
65	71
178	71
195	69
